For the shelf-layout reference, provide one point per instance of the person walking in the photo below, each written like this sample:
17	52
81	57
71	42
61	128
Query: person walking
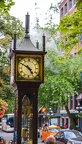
65	125
69	142
51	140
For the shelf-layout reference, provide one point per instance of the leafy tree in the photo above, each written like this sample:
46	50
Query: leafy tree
62	80
79	4
5	5
3	107
70	28
4	69
8	95
8	26
6	91
62	71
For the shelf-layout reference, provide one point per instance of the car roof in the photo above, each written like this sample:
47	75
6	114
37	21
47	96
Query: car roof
52	126
67	130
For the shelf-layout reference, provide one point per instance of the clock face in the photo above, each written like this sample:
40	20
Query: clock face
28	68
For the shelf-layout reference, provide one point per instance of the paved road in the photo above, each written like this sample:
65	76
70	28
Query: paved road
9	136
6	136
39	141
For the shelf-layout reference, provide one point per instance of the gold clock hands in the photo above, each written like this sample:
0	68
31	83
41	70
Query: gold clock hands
28	68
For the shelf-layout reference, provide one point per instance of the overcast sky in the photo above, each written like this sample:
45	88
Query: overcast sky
21	7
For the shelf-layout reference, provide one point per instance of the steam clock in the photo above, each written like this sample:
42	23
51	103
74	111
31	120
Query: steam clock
27	73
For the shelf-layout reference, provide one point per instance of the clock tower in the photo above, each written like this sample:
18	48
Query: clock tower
27	73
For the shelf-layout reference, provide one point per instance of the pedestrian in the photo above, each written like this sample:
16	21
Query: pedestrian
45	124
69	142
2	141
51	140
65	125
11	142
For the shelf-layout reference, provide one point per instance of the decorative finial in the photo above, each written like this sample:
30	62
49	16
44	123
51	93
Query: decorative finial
14	46
27	25
44	42
37	44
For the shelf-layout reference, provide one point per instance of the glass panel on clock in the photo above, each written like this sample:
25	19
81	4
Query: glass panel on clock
27	121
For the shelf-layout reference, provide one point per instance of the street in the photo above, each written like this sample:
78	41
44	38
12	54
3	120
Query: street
6	136
9	136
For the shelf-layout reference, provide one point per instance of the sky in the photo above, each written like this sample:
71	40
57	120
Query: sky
21	7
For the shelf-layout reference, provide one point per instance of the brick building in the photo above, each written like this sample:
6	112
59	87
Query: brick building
68	7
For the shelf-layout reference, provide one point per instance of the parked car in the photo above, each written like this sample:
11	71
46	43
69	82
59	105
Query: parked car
65	135
62	127
49	130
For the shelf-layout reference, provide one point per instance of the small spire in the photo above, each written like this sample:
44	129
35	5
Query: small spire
43	42
14	45
37	44
27	25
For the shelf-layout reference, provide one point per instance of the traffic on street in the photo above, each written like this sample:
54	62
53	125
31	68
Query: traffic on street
62	135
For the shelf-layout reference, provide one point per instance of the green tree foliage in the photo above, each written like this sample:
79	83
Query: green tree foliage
5	5
3	107
6	91
70	28
79	4
62	71
62	80
8	95
4	69
8	26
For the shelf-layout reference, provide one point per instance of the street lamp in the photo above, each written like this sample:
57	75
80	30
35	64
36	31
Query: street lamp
44	118
50	113
79	109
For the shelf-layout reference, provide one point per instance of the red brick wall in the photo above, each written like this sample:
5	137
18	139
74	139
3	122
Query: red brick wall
70	11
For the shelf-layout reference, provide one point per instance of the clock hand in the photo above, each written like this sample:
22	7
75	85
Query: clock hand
28	68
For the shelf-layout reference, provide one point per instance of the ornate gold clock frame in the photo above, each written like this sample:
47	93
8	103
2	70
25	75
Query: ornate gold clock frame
27	73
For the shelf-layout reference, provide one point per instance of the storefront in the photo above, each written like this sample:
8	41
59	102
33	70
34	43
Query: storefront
79	109
65	119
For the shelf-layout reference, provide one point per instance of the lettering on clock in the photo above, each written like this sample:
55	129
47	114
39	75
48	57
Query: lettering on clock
28	59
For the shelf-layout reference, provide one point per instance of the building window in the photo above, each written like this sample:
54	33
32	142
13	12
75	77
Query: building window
62	12
75	101
74	2
62	121
63	108
70	4
71	103
65	8
81	103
